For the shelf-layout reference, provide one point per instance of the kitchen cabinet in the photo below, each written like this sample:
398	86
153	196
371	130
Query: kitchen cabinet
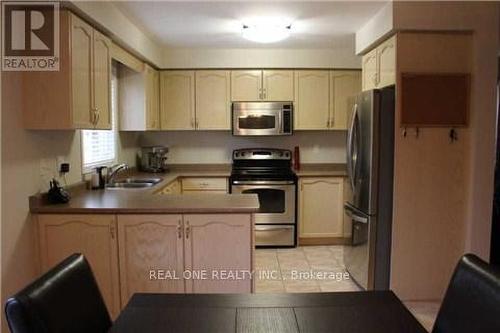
139	100
262	85
208	185
321	213
219	245
213	100
312	99
173	187
177	100
344	86
78	95
150	245
379	65
92	235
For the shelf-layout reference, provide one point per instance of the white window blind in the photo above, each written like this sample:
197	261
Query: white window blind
99	146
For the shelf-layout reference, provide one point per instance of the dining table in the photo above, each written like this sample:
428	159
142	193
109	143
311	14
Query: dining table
343	312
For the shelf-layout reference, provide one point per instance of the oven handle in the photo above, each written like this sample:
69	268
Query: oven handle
263	182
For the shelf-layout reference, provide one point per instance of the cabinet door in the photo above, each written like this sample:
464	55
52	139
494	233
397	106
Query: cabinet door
151	254
217	244
102	80
321	207
81	74
177	100
369	66
213	102
152	90
246	86
277	85
344	85
312	100
94	237
386	54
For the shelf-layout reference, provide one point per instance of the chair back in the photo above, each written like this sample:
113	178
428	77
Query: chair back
472	301
65	299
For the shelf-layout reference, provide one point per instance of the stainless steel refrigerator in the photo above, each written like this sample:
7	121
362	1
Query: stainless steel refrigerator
370	165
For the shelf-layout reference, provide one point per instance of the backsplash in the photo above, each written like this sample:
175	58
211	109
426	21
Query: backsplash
217	146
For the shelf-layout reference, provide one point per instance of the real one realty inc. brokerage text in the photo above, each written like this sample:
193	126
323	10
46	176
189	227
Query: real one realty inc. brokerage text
239	274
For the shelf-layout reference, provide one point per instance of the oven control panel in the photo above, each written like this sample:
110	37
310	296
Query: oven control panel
262	154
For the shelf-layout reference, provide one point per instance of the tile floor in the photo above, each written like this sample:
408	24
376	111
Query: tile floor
317	269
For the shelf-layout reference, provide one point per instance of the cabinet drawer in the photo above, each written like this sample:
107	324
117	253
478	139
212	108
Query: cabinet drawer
195	183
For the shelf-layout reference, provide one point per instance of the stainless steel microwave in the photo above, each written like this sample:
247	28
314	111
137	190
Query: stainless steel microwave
262	118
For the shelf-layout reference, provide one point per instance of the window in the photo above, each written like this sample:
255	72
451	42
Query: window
99	146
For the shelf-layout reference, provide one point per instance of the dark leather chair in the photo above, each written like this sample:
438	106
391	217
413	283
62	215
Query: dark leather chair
65	299
472	301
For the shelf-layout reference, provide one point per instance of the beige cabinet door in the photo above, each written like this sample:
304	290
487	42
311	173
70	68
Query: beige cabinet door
177	100
92	235
321	207
370	69
344	86
151	254
102	80
246	86
152	97
277	85
83	112
213	100
386	54
218	244
312	99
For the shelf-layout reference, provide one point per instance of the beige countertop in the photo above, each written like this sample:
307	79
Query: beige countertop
145	201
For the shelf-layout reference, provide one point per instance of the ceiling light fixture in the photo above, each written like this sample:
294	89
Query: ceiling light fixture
266	31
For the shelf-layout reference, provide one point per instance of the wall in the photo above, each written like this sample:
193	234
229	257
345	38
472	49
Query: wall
28	160
336	57
216	147
375	29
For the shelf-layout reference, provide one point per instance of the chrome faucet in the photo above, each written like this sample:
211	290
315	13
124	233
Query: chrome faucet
113	171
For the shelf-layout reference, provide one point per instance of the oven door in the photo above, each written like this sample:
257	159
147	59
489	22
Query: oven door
257	122
276	199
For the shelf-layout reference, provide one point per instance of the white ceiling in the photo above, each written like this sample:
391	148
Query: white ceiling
210	24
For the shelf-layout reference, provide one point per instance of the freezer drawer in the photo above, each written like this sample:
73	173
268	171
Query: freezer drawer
275	235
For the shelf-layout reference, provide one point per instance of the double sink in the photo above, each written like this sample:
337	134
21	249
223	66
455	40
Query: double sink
133	182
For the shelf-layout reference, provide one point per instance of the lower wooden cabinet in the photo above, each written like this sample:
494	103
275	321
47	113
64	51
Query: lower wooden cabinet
95	237
218	244
321	208
151	251
161	253
173	187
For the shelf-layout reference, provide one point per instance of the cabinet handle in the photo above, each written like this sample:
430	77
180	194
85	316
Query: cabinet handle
97	116
192	123
179	229
188	229
264	93
112	231
196	123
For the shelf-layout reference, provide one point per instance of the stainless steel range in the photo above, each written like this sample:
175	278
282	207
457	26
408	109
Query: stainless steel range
268	173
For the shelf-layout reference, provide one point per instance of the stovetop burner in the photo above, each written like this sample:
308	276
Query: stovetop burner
262	164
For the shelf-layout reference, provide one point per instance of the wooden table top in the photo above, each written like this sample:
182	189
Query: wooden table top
349	312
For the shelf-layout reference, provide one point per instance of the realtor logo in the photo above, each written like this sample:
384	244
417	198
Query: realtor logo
30	39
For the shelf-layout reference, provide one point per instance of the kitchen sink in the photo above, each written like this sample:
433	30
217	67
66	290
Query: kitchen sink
129	183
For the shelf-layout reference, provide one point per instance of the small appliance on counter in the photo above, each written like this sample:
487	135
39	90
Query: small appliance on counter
57	194
154	159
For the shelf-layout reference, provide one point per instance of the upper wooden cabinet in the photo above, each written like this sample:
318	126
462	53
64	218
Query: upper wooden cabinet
262	85
213	100
312	99
78	95
177	100
379	65
92	235
344	86
139	99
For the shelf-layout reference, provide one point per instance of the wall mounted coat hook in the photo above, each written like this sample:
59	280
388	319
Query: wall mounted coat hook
404	132
453	135
417	132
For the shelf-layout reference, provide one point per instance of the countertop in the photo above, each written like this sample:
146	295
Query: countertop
146	201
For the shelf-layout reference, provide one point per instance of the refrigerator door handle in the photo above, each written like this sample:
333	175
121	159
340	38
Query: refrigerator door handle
350	170
355	217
